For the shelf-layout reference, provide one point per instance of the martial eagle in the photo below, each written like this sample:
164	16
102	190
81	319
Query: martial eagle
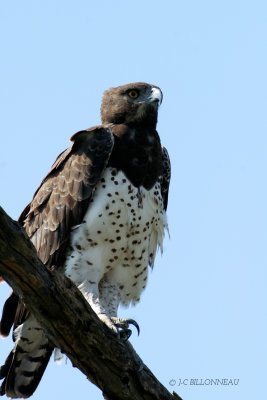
98	216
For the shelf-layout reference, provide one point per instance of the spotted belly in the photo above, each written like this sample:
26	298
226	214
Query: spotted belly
119	236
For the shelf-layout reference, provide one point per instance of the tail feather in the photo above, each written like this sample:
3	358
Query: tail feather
8	314
25	365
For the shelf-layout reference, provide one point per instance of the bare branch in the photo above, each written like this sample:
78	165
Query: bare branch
59	307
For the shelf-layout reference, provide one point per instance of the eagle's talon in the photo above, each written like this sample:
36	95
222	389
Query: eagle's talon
124	323
125	334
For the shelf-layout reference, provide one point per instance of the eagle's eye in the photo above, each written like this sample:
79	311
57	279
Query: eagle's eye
133	94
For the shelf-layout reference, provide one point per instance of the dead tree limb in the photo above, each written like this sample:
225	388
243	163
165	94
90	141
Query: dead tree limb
71	324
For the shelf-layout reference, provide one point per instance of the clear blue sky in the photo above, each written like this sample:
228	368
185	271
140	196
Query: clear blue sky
203	314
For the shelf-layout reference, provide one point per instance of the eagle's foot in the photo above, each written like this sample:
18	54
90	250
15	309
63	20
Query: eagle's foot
123	324
104	318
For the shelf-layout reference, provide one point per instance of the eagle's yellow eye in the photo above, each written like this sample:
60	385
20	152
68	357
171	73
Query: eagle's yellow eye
133	94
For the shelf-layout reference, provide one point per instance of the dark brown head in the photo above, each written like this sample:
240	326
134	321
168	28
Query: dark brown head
135	103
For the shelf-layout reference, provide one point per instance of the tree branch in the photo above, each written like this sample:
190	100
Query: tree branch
70	323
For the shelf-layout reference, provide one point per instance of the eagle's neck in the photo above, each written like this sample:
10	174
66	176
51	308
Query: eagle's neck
137	152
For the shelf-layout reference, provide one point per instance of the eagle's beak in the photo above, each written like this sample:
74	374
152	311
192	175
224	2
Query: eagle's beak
156	95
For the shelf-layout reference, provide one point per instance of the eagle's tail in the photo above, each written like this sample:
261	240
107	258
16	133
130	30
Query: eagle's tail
8	315
25	365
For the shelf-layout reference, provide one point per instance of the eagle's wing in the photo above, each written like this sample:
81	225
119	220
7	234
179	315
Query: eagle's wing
166	176
60	203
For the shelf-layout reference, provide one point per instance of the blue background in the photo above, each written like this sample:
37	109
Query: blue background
203	314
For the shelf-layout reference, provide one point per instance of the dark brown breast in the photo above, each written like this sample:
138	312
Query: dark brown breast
137	152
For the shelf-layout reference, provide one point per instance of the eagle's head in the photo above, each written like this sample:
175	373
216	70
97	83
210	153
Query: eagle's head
135	103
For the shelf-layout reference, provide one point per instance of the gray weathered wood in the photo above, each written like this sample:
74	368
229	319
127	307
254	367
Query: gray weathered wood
59	307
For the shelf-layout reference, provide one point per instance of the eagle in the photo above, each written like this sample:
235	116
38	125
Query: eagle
98	216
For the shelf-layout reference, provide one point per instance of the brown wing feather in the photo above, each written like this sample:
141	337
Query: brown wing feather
166	176
61	201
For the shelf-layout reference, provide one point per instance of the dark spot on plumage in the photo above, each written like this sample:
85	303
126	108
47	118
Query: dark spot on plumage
129	205
122	249
89	263
117	193
111	260
121	225
118	216
134	242
117	231
113	201
114	250
118	238
92	282
112	178
114	172
138	265
107	207
78	247
111	213
99	232
113	223
127	294
132	197
109	194
134	284
121	287
122	200
100	215
103	186
116	257
111	241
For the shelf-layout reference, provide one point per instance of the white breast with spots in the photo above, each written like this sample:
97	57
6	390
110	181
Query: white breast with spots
118	238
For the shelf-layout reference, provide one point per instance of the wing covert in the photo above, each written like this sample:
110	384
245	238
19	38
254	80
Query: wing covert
63	196
166	176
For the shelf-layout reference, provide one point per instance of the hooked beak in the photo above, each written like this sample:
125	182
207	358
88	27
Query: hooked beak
156	95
